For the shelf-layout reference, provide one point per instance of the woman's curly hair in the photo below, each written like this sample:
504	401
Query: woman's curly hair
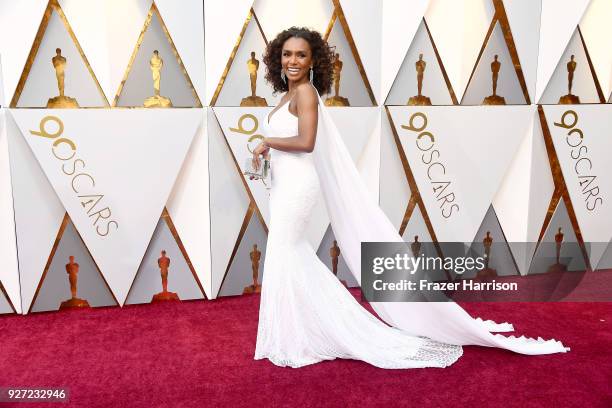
322	58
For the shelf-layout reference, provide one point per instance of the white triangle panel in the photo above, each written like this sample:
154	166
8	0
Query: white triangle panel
589	176
37	225
524	195
185	23
13	14
559	19
218	48
237	84
458	166
583	83
434	84
481	83
398	31
41	82
9	273
228	201
596	29
189	203
524	19
114	208
459	29
364	19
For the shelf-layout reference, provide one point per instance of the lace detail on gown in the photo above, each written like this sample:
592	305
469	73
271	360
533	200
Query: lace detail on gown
306	315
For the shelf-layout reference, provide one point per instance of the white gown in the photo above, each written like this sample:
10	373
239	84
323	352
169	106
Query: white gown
306	315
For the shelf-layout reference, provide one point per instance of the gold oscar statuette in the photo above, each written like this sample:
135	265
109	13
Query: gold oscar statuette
570	99
334	253
253	99
156	63
415	247
255	256
337	100
487	272
419	99
72	268
61	101
558	266
494	99
164	263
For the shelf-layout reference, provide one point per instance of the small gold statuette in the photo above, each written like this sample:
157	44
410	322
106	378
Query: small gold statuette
164	263
558	266
61	101
419	99
157	101
334	253
253	100
255	256
415	247
337	100
487	272
570	99
72	268
494	99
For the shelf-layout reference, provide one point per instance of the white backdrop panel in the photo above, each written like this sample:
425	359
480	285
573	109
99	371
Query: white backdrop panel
114	208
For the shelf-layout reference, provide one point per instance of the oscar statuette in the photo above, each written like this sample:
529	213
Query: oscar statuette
494	99
156	64
570	99
164	263
255	256
487	272
61	101
558	266
253	99
72	268
419	99
337	100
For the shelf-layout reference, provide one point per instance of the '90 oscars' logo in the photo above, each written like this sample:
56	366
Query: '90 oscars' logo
583	166
82	183
436	170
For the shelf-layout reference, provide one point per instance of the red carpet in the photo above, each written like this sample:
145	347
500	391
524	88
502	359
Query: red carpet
200	353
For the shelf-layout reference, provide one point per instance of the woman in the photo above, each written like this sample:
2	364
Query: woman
306	315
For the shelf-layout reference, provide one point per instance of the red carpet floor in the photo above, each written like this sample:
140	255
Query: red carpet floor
200	353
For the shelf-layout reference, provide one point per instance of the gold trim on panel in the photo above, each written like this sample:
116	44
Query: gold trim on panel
177	238
504	24
412	202
600	93
245	224
501	17
349	37
147	23
58	238
53	5
560	184
230	61
8	299
451	91
330	25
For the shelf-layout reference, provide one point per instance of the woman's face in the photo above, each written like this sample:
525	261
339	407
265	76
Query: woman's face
296	59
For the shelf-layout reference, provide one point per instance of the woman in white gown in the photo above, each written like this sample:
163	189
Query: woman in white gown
306	315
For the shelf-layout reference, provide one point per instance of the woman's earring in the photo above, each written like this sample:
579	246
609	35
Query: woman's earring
283	76
311	74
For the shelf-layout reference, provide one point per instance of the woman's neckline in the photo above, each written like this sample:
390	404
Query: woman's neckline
273	112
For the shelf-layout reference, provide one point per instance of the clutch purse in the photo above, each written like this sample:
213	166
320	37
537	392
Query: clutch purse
263	173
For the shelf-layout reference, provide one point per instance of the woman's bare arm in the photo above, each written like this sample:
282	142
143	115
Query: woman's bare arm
307	109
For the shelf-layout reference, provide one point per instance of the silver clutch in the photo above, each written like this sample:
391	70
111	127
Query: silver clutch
263	173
